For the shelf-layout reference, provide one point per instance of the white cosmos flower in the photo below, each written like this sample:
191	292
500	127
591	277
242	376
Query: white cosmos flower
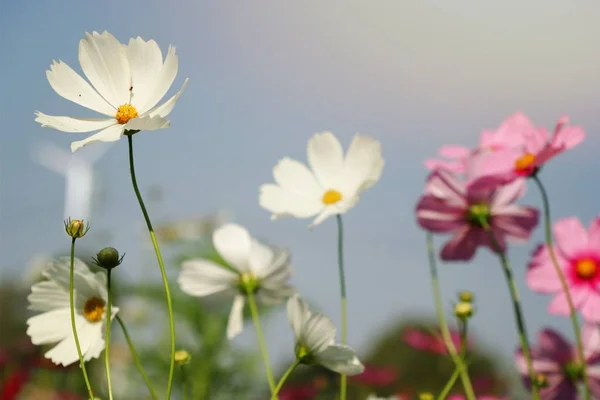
253	264
332	187
127	82
53	325
315	340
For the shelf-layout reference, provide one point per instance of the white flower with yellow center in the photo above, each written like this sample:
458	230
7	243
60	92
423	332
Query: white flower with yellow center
315	340
334	184
255	267
53	325
127	82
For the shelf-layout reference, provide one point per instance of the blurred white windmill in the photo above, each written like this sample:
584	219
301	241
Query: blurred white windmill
78	170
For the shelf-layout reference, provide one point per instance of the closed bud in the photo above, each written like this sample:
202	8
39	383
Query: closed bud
426	396
182	357
108	258
465	296
76	228
463	310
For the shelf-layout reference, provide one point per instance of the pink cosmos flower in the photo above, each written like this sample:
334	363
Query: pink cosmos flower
522	161
425	341
578	253
375	376
556	363
451	205
510	134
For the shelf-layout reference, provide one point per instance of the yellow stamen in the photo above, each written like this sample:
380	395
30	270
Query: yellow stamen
125	113
525	162
331	197
93	310
586	268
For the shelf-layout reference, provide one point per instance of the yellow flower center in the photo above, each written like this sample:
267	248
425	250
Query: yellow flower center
93	310
331	197
586	268
125	113
525	162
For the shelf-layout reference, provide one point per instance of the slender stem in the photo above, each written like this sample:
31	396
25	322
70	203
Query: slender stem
73	325
284	378
564	285
343	302
514	294
463	340
183	383
439	308
108	320
450	384
160	264
261	339
136	358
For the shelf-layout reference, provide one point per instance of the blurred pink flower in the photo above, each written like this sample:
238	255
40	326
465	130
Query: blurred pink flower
375	376
578	253
450	205
14	383
556	361
461	397
521	161
509	134
302	391
425	341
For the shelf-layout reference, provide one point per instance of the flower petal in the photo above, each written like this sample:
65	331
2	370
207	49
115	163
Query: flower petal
110	134
517	222
104	62
341	359
72	125
163	81
146	123
446	186
201	277
233	242
260	258
508	194
363	164
559	304
571	237
463	244
326	158
594	233
435	215
70	85
590	337
165	108
553	346
541	276
145	61
298	314
454	151
283	203
47	296
323	215
590	309
319	333
296	178
50	327
235	322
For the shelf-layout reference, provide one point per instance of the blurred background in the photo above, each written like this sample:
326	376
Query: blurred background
264	76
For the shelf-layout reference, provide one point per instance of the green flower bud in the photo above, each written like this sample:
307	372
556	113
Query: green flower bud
426	396
182	357
76	228
108	258
463	310
465	296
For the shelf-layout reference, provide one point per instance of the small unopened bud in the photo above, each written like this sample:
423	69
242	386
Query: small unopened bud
426	396
540	381
108	258
463	310
465	296
76	228
182	357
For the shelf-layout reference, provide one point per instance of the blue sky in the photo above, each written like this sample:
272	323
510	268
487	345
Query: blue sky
264	77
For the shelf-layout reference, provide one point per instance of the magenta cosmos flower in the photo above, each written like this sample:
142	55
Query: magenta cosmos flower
556	364
525	160
578	253
449	205
510	134
425	341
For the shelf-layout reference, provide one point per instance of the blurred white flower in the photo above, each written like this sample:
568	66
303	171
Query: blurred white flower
127	82
254	266
315	340
53	325
332	187
375	397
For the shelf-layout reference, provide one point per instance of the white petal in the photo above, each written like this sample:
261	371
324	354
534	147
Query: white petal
92	340
65	352
84	281
279	269
145	61
146	123
260	258
110	134
298	314
326	213
363	165
283	203
319	332
326	158
233	243
341	359
47	295
165	108
273	295
235	322
105	64
72	125
201	277
50	327
295	177
163	81
68	84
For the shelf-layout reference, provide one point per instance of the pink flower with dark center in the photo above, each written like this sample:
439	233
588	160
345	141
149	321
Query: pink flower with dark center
375	376
510	134
449	205
425	341
578	253
558	369
522	161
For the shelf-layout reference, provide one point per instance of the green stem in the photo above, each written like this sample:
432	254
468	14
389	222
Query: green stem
564	285
463	340
160	264
136	358
343	302
514	294
261	339
73	325
439	308
107	335
450	384
183	391
284	378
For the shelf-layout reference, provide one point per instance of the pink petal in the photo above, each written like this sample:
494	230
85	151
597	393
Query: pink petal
559	305
436	215
590	310
517	222
568	137
446	186
508	194
463	244
594	234
513	129
536	140
590	336
594	378
571	237
500	164
454	151
453	166
544	366
541	275
553	346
